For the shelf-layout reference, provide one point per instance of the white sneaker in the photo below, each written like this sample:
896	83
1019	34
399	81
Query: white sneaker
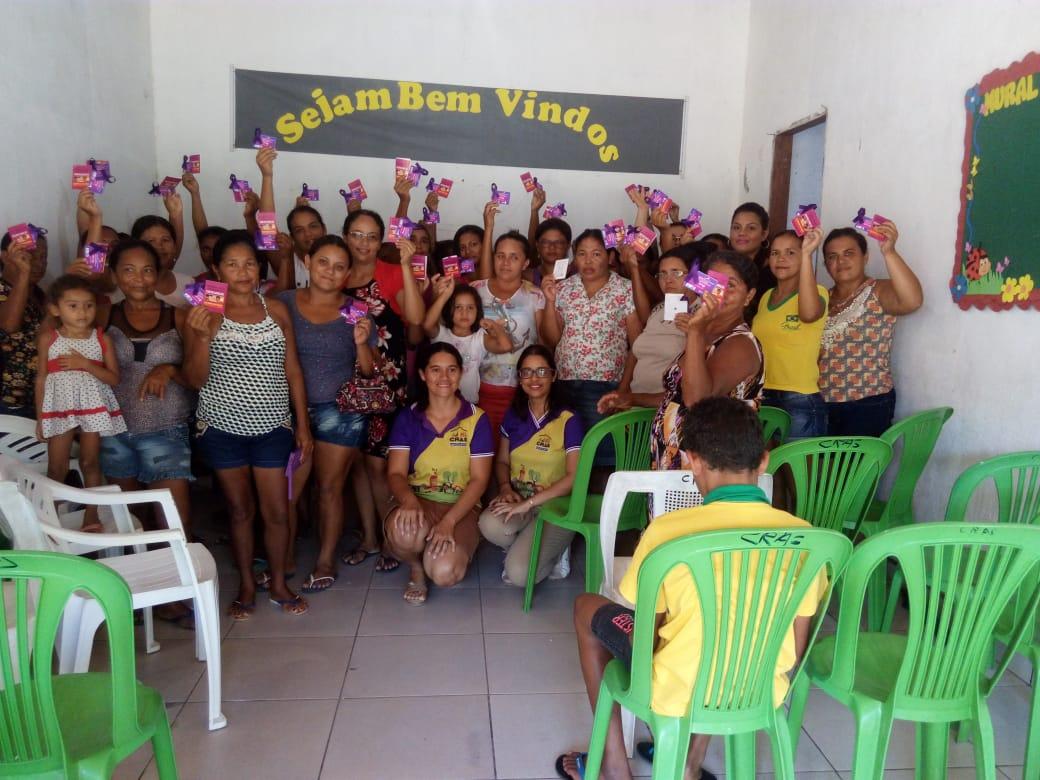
562	567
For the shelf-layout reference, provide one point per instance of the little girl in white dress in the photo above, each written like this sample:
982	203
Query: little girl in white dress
74	385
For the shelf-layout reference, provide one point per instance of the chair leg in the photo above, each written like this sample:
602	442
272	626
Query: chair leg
893	601
150	645
985	750
532	564
876	601
593	562
162	746
1031	768
795	716
671	745
740	755
933	747
873	730
783	753
600	727
207	623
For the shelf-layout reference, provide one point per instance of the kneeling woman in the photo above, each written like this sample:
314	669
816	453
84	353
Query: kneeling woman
245	366
439	464
536	462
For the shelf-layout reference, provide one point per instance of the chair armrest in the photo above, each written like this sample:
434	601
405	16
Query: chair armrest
102	541
108	497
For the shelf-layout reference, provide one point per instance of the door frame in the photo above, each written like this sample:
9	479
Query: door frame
780	178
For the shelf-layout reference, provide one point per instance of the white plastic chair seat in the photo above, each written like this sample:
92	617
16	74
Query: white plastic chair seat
156	571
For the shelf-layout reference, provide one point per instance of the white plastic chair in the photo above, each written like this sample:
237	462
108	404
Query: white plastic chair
175	572
668	491
18	439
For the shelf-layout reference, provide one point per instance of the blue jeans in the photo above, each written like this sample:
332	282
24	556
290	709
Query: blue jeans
870	416
808	412
330	425
581	397
147	457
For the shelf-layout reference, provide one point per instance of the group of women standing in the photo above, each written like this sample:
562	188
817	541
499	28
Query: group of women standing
512	367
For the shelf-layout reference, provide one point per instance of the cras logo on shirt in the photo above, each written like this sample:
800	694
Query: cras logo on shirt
458	437
543	443
792	322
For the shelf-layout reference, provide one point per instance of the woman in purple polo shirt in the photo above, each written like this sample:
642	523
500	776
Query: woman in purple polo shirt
439	464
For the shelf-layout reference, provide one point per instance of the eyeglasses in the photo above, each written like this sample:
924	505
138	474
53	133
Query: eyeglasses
675	273
357	235
542	372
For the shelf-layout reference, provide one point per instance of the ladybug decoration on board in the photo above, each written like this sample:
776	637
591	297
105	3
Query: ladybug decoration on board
973	267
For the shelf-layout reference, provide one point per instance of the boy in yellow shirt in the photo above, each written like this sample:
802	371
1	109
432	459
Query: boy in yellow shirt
723	439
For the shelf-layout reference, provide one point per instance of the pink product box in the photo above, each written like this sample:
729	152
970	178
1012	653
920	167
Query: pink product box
267	231
354	311
452	267
402	167
467	266
357	190
804	221
431	217
261	141
498	196
308	193
95	256
22	237
81	176
194	292
711	283
419	267
444	188
559	210
192	163
168	185
239	188
658	200
614	233
530	182
213	295
642	239
400	228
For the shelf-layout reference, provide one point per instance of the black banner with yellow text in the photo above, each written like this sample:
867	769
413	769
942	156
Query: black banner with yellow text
453	123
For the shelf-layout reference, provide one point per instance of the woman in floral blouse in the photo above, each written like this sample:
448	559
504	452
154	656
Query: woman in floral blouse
590	320
394	299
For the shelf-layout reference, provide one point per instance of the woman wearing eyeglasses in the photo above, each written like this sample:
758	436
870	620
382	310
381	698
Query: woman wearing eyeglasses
535	462
394	299
653	351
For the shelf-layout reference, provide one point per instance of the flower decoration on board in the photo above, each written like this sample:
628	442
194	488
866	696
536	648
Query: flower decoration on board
1009	291
1025	287
959	287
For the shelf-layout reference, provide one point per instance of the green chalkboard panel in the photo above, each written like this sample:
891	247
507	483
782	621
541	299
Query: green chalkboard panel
997	259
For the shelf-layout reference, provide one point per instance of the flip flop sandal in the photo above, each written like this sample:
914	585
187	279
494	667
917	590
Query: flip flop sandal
317	584
417	600
240	611
297	605
579	759
263	580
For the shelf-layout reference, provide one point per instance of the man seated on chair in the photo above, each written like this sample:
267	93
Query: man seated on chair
723	438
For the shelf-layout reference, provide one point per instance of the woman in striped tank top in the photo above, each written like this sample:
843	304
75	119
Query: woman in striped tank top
245	367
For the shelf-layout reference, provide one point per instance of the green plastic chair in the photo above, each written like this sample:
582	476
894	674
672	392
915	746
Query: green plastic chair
834	478
71	725
763	572
579	512
934	674
918	433
776	424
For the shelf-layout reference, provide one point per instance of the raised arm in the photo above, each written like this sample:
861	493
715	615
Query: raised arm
640	297
901	293
198	211
810	305
731	363
537	201
403	187
200	326
551	327
265	162
175	210
433	203
638	196
410	297
443	287
485	268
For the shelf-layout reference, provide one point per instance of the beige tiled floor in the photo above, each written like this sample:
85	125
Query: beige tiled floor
365	686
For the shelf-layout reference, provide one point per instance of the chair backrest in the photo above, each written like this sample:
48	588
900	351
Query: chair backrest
18	439
776	423
30	737
1016	479
750	584
959	578
834	478
918	433
18	521
668	491
630	433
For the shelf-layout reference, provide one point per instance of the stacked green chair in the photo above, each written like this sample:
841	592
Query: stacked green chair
776	424
918	434
934	674
579	512
834	478
71	725
761	572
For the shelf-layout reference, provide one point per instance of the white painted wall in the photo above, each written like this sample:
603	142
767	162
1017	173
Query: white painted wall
893	82
580	46
77	83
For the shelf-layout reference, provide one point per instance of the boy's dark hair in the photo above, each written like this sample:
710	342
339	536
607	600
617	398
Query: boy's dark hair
67	283
141	224
304	210
725	432
846	232
448	312
115	253
214	231
553	223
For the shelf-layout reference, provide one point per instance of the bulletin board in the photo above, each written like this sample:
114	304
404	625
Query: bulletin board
997	257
